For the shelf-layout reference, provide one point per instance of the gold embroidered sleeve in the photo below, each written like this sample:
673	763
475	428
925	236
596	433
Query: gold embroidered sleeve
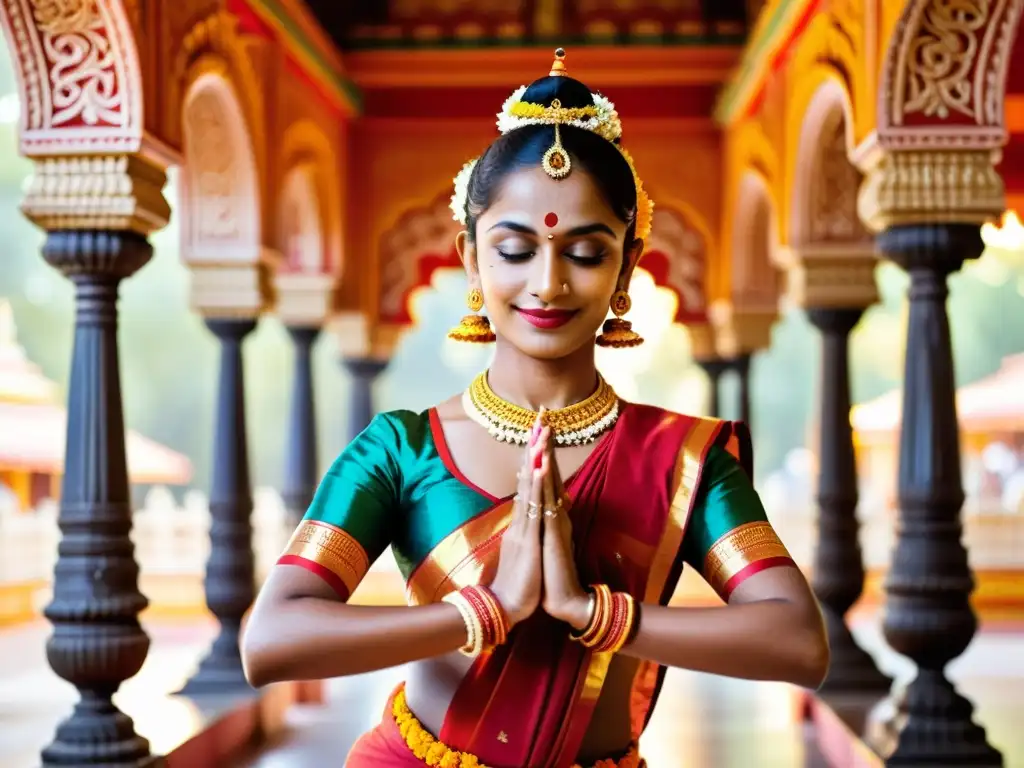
739	554
329	552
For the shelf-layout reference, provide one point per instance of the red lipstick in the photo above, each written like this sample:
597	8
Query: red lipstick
547	319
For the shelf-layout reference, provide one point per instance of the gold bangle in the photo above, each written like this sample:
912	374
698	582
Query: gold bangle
474	630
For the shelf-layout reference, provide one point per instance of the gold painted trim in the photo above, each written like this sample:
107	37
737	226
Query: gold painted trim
744	545
684	482
466	556
332	548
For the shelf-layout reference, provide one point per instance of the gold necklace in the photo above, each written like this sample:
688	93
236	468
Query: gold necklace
576	424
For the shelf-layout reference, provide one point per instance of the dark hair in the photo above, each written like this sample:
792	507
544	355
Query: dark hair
525	147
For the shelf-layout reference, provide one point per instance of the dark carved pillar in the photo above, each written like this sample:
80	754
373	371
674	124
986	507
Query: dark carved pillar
97	642
230	572
300	478
714	370
928	616
838	566
741	364
364	371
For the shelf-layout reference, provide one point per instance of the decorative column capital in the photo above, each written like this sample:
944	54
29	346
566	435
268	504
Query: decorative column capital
741	331
833	275
232	289
359	336
110	192
928	185
304	299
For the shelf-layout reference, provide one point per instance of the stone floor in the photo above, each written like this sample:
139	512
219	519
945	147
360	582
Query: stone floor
701	721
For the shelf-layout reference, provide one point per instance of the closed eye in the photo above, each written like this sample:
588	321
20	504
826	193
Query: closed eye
588	259
515	257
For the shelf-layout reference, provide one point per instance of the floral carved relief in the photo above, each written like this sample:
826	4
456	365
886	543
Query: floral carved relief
833	201
946	67
219	175
210	165
79	75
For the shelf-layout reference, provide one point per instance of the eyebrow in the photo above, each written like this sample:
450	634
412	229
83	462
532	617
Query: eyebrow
586	229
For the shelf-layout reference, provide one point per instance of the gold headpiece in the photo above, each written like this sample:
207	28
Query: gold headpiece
599	117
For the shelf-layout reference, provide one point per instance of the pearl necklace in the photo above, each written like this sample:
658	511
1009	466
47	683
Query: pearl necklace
576	424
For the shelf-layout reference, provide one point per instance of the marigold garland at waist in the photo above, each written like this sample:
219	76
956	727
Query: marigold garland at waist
433	752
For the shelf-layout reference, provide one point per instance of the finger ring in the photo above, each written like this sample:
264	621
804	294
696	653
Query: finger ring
550	513
533	505
532	515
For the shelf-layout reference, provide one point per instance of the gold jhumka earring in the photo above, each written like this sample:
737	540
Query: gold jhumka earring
617	332
475	329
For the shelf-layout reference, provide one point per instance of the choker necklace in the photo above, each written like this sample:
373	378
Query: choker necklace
576	424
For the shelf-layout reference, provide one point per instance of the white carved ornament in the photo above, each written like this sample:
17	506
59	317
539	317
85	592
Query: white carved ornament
219	179
948	59
426	231
300	237
686	252
78	74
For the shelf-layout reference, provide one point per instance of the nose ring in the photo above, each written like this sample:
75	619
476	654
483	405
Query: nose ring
565	287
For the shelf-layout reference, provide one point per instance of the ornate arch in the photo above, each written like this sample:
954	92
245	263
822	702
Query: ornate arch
755	238
78	76
310	167
823	196
945	72
422	240
214	46
676	256
219	181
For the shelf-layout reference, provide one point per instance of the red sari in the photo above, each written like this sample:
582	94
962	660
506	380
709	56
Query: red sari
529	702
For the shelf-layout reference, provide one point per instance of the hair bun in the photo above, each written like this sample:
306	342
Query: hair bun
569	91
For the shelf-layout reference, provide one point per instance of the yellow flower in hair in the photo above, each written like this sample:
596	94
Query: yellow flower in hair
644	204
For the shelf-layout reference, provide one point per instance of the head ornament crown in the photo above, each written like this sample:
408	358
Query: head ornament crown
599	117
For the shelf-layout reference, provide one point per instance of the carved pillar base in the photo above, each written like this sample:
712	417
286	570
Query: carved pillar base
230	581
364	371
928	616
300	470
97	642
838	564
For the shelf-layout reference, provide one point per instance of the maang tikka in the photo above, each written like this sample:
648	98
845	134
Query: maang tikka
475	329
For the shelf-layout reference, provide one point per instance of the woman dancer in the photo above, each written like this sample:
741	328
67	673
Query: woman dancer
538	616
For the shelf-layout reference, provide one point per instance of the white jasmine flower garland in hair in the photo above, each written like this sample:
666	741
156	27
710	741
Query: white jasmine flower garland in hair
459	199
515	113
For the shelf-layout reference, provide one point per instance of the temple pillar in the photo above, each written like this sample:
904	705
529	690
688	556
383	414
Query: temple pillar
835	283
96	239
740	365
230	297
300	476
739	333
714	368
364	372
926	206
230	582
304	302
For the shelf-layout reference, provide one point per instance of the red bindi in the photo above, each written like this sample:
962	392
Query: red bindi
551	219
